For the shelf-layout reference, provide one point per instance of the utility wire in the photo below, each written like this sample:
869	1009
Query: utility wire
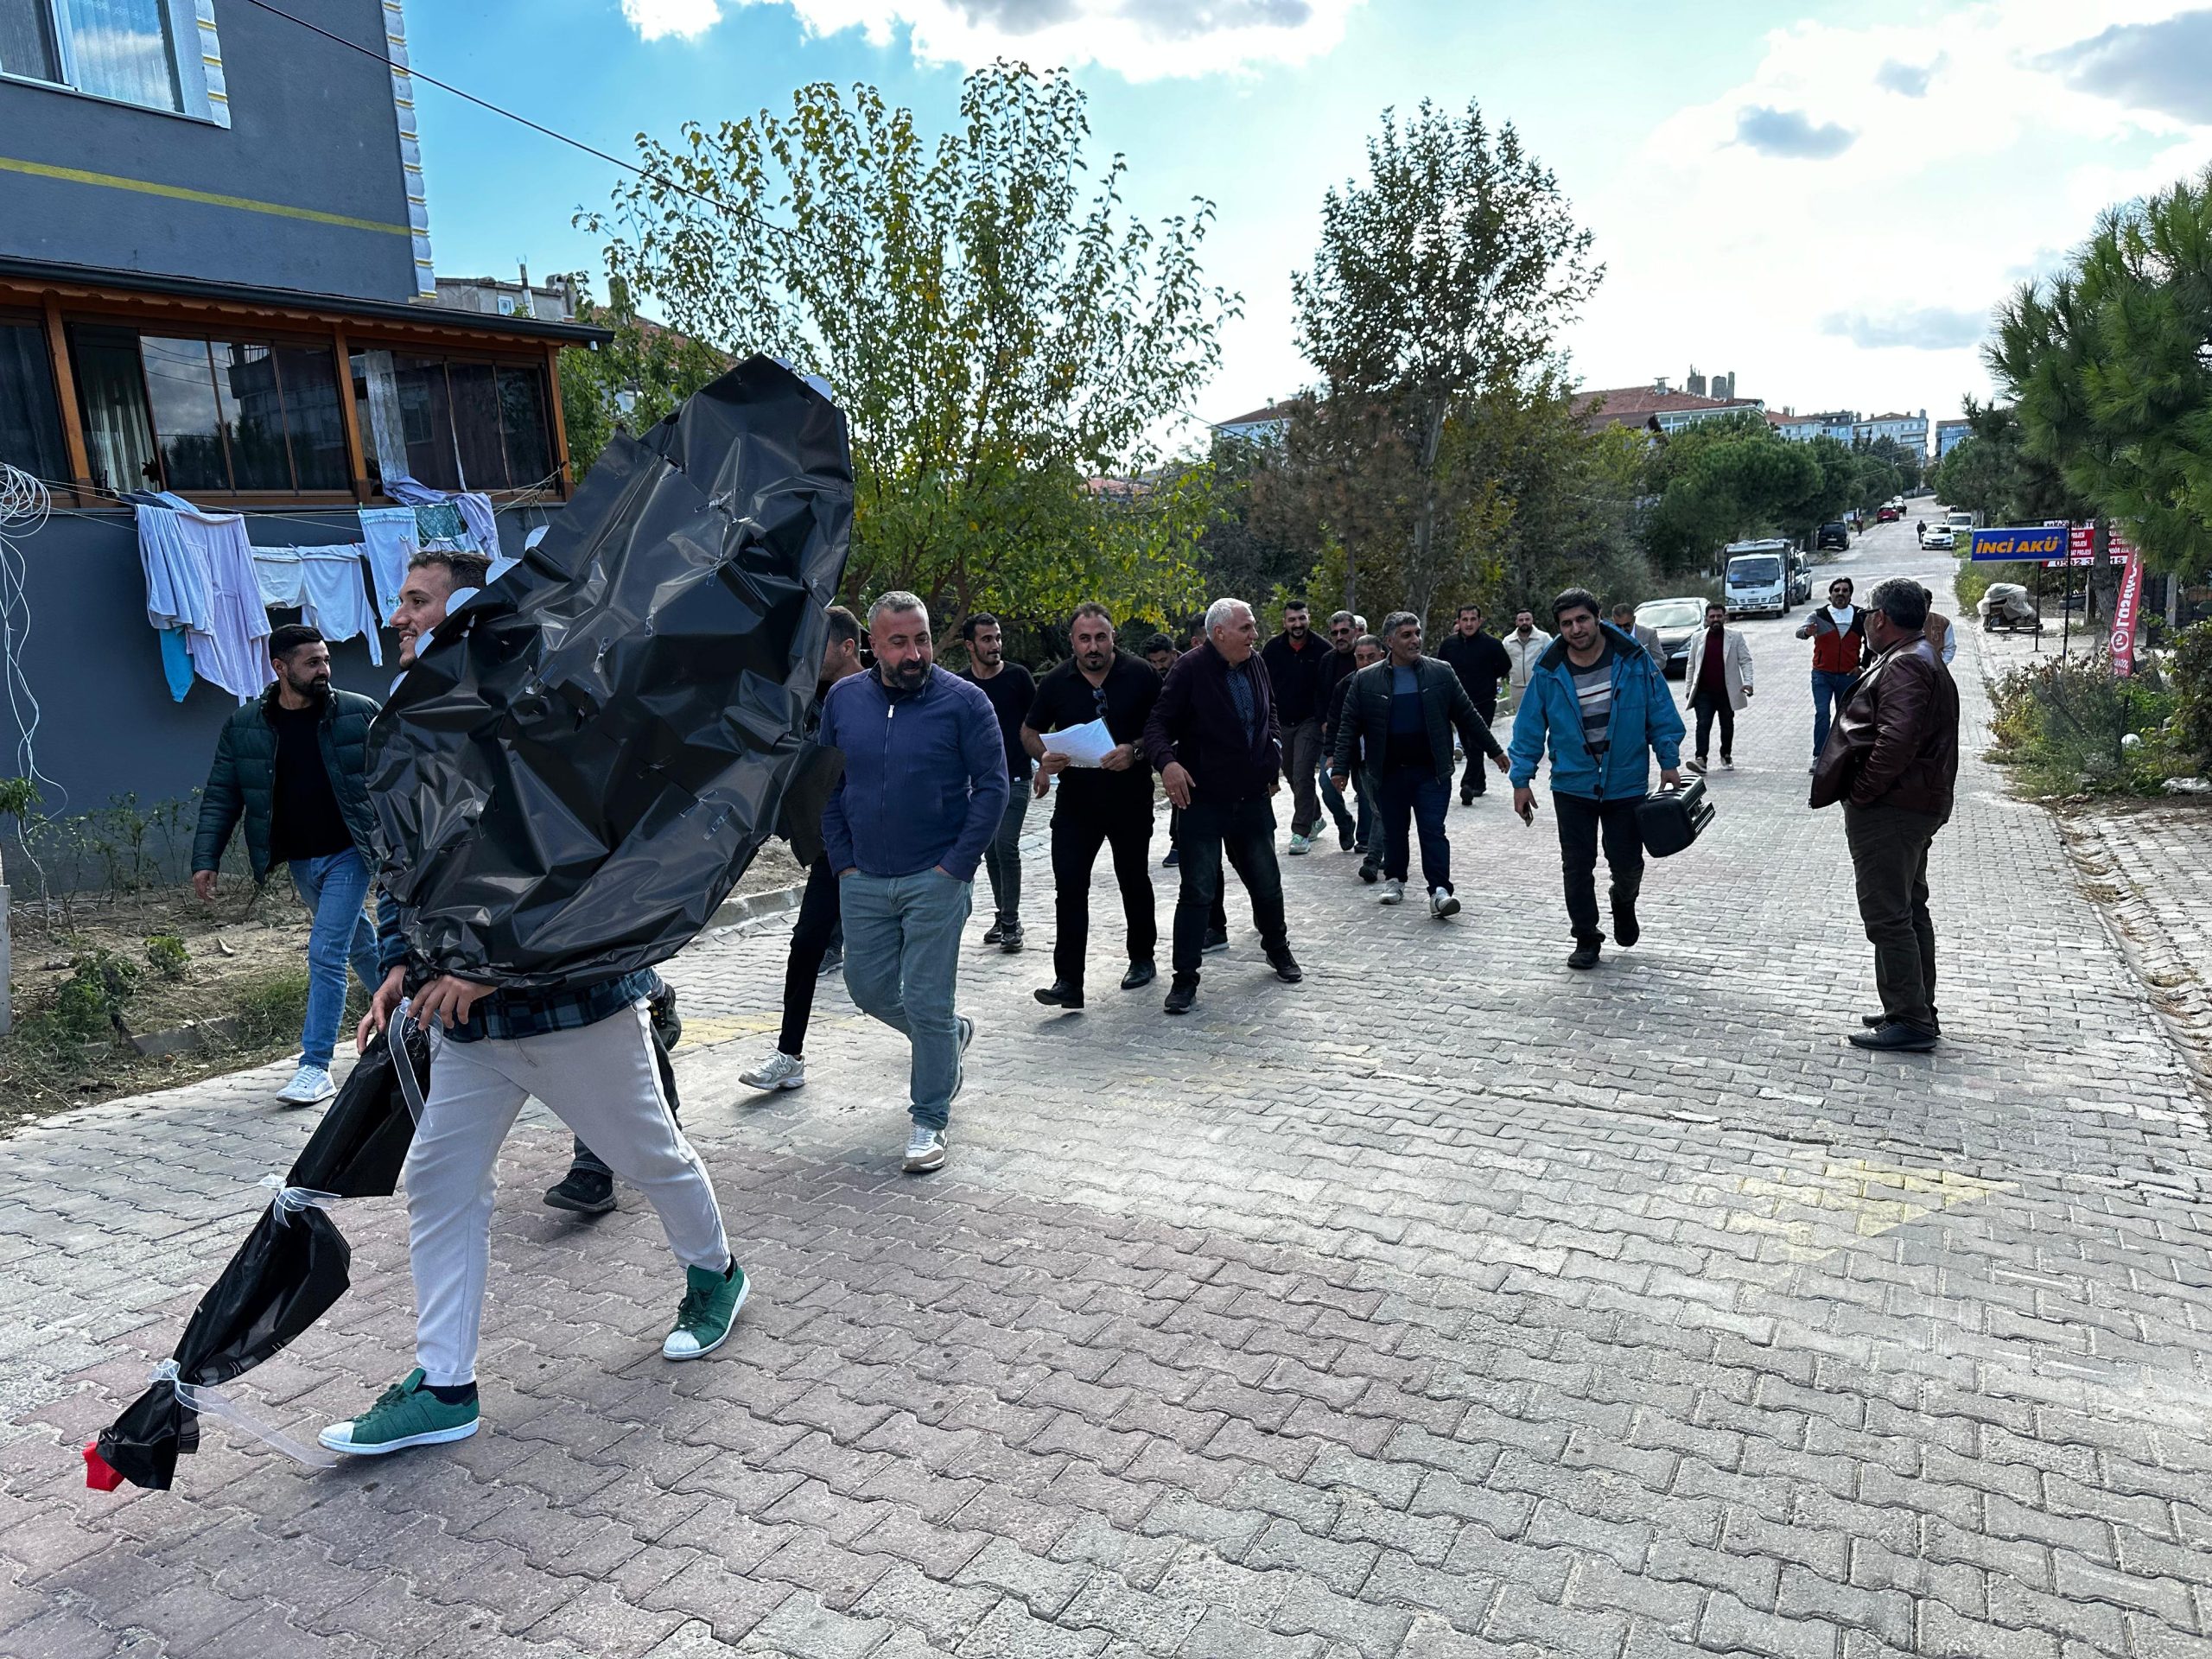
485	104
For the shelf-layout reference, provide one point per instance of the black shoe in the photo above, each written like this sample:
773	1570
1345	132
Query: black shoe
832	962
1895	1038
1141	974
996	933
1728	760
586	1191
1466	798
1181	995
1174	857
1010	940
1369	870
1626	929
1285	967
1584	955
1217	939
1059	995
1875	1021
1696	766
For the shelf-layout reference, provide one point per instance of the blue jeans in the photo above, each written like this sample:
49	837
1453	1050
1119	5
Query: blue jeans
1829	689
902	962
333	887
1414	796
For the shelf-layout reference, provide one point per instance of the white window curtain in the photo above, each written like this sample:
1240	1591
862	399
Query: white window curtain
121	49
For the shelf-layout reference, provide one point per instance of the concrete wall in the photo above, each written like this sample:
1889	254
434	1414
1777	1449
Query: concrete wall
312	126
107	724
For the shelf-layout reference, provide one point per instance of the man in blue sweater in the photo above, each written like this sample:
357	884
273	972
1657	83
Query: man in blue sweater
1598	698
924	791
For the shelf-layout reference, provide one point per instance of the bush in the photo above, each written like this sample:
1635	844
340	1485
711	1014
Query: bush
166	954
2066	722
2192	737
89	1006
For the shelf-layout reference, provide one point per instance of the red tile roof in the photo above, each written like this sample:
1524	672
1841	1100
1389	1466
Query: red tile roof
1634	406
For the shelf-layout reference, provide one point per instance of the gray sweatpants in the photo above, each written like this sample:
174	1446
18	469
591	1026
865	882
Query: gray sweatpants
600	1080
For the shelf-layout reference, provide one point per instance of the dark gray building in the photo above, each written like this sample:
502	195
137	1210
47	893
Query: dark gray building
216	280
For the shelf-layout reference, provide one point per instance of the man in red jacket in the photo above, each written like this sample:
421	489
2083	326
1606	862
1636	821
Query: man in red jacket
1837	632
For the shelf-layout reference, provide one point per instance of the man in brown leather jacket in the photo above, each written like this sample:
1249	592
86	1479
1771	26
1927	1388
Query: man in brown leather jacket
1893	759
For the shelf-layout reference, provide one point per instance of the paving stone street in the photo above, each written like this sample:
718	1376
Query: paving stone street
1449	1303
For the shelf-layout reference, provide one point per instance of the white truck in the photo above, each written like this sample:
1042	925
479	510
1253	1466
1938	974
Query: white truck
1755	578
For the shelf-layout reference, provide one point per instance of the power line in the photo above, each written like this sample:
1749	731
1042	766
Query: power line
485	104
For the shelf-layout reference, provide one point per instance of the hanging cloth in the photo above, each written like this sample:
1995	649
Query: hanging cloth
233	649
176	580
439	524
389	541
324	584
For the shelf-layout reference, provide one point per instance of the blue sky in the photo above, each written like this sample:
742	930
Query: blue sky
1825	199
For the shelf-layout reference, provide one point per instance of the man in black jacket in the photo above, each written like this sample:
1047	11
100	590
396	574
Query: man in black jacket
1402	711
294	766
1476	657
1298	666
1213	739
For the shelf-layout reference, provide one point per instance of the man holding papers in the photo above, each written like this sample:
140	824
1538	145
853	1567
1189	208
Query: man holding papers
1084	729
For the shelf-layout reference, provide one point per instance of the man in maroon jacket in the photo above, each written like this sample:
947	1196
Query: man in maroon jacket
1213	739
1893	759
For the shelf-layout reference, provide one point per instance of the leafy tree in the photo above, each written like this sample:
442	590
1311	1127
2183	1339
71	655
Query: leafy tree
2109	373
1441	281
1726	479
635	381
1910	464
1002	336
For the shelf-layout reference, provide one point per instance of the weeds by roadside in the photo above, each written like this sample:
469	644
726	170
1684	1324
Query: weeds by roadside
2069	726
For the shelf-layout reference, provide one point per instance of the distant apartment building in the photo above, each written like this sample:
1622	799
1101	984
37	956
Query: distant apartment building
1909	430
551	301
1265	424
1837	424
1658	407
1947	435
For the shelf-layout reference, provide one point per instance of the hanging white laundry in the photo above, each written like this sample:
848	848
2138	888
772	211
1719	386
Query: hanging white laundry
233	649
176	580
324	585
476	513
389	540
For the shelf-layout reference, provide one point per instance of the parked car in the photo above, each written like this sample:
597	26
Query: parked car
1887	515
1835	534
1676	621
1801	579
1937	535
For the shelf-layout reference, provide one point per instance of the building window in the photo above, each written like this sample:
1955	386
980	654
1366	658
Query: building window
453	423
30	418
124	49
200	416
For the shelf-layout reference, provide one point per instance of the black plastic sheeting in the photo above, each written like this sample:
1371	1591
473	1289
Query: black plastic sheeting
286	1275
357	1150
582	763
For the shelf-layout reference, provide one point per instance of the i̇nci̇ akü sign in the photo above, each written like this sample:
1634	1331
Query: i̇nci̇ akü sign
2041	542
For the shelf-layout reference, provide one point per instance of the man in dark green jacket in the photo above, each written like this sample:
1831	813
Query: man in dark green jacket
1401	713
292	766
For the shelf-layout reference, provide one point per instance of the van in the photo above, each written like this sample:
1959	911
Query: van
1755	579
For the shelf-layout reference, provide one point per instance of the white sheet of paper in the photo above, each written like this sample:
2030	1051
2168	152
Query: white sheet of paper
1086	745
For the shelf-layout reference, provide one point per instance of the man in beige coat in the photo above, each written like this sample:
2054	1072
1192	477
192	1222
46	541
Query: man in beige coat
1718	682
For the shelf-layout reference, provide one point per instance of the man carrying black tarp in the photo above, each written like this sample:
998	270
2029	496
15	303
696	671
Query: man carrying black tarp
586	1049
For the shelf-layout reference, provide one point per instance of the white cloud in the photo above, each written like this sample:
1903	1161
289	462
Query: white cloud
1144	39
1908	176
687	20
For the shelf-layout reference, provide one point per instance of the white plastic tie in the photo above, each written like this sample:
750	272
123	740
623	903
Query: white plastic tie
290	1200
211	1402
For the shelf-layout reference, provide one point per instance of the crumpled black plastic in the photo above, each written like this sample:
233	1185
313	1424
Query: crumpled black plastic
357	1150
286	1275
581	765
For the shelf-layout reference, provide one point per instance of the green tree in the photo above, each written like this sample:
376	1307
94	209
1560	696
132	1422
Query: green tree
635	381
1730	478
2109	372
1441	284
1003	337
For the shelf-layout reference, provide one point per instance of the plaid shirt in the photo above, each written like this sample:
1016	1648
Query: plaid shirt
509	1015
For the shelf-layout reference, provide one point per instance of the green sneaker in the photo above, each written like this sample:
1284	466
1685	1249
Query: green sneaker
708	1309
405	1414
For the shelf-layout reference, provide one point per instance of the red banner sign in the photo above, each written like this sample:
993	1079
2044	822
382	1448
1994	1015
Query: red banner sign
2125	612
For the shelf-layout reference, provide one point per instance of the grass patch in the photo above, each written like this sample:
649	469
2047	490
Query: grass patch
2070	727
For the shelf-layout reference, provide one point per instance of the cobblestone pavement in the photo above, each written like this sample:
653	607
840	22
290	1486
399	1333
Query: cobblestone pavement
1447	1304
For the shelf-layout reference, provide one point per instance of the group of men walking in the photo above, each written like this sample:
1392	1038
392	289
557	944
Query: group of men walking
940	770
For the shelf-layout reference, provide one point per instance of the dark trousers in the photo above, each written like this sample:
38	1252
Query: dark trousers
812	934
1889	855
1218	918
1245	832
1708	702
1002	855
1076	836
1582	821
1301	764
1416	795
1472	781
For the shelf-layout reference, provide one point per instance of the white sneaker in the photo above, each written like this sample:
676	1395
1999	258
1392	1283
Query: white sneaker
1442	903
779	1071
1300	845
310	1086
924	1151
1394	892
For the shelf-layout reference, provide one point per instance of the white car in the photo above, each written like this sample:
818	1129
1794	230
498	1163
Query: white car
1937	535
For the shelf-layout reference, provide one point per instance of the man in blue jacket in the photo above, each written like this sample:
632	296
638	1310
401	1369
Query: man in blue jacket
924	791
1597	697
